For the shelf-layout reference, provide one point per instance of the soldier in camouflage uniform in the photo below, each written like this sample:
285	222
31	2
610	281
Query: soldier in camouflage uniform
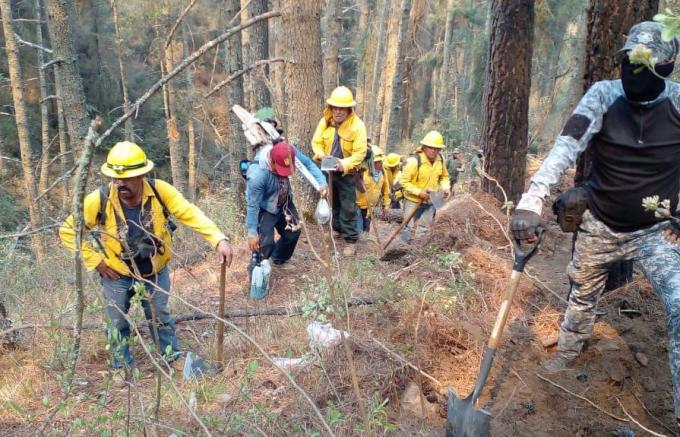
633	127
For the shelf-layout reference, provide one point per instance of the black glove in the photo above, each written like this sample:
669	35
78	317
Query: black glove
524	224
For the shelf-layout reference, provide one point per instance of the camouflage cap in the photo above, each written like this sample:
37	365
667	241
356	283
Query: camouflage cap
648	33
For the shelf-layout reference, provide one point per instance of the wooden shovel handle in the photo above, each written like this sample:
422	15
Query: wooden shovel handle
220	325
404	222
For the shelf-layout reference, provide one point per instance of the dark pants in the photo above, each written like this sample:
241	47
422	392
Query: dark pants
344	207
283	249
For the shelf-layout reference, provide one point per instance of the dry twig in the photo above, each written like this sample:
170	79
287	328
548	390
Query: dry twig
597	407
638	423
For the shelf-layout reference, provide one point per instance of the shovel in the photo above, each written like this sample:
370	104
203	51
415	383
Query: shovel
404	222
463	420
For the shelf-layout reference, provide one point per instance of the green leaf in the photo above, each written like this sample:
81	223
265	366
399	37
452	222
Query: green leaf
252	368
46	401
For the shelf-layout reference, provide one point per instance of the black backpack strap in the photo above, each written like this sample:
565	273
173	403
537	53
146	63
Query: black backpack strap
104	192
166	213
152	183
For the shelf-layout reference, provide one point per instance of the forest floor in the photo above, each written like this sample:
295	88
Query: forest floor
436	304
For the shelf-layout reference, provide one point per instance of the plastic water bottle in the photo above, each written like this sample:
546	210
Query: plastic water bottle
259	278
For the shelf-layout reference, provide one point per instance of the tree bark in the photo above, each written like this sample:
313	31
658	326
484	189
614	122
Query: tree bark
191	135
396	108
70	86
361	39
246	54
304	88
445	81
44	119
21	119
238	148
608	25
378	62
506	98
258	38
66	158
171	53
331	49
129	128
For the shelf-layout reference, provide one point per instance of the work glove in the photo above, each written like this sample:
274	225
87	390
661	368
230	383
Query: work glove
524	224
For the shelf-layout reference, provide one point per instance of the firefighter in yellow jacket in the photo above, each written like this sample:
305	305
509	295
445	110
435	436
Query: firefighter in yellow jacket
424	173
392	166
134	216
377	190
341	134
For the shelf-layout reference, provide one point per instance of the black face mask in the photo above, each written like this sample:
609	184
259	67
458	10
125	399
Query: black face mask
644	85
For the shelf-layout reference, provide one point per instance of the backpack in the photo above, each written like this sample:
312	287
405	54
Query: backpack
105	190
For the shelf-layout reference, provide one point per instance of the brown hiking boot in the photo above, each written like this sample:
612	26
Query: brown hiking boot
557	363
350	250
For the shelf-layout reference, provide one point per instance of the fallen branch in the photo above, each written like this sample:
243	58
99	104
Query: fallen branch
613	416
189	317
638	423
30	44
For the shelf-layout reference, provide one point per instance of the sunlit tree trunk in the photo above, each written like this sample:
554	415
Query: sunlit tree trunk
331	49
44	119
374	94
17	87
361	39
191	135
258	38
398	80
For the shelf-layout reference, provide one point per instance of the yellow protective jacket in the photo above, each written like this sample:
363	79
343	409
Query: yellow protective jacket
431	176
181	209
353	141
393	175
374	189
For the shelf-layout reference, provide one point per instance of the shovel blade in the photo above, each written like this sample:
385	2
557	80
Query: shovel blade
463	420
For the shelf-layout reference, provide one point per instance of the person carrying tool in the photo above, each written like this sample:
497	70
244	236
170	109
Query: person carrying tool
454	166
342	135
633	128
476	170
376	186
135	216
270	202
392	164
424	173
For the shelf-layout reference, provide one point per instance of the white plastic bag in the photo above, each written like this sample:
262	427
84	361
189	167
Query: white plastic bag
322	214
323	335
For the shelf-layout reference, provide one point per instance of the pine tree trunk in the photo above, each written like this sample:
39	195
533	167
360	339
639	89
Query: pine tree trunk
44	119
246	54
259	49
373	99
397	98
445	79
129	128
191	136
67	75
506	98
361	39
238	148
21	118
331	49
304	86
277	46
66	158
172	53
3	152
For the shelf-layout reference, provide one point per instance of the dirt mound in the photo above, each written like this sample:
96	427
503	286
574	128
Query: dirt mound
470	220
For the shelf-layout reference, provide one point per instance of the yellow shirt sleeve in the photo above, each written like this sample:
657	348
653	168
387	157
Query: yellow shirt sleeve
91	258
359	147
189	214
317	140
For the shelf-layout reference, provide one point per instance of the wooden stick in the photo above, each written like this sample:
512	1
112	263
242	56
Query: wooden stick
638	423
407	362
220	325
584	399
644	407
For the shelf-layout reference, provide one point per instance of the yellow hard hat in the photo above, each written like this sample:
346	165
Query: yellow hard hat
393	160
341	97
378	153
126	160
433	139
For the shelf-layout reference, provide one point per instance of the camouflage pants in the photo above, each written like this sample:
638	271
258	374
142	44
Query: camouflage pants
597	246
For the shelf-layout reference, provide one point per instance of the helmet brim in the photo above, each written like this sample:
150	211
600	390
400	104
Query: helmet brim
107	171
434	146
335	104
